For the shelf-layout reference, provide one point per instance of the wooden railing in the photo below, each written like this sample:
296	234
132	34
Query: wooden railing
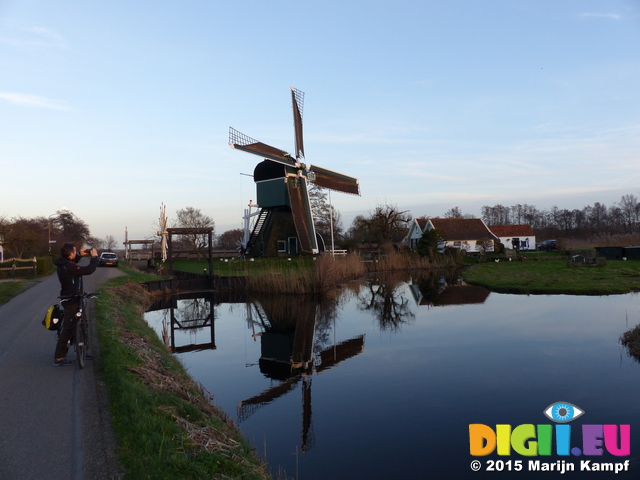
13	265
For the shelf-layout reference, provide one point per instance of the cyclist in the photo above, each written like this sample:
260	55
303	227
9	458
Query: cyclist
70	275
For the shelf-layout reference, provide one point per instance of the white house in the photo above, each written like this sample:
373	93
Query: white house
512	236
468	234
416	229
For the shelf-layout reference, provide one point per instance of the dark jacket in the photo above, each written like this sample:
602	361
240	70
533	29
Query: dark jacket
70	274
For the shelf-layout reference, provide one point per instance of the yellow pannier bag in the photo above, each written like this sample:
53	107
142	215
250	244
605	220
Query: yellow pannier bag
53	318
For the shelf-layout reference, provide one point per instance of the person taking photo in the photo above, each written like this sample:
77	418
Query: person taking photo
70	275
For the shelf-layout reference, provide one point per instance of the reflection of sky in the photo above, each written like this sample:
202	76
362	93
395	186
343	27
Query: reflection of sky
409	397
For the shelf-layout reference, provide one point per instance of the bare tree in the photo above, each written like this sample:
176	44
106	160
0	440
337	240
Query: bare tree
110	242
630	211
386	224
95	242
454	212
324	214
70	228
230	239
193	218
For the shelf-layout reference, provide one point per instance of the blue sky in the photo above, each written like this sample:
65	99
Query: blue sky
109	109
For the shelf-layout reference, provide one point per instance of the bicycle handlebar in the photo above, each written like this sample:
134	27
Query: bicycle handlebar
82	295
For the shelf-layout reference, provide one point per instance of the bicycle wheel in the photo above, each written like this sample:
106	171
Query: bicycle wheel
81	341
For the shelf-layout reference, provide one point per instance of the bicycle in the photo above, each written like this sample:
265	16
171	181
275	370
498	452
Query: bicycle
80	334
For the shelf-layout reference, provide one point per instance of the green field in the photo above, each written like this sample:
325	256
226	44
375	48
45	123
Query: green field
235	266
556	276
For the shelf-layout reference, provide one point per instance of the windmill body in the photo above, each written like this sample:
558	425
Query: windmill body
285	224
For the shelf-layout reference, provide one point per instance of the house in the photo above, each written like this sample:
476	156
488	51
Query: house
520	237
416	229
468	234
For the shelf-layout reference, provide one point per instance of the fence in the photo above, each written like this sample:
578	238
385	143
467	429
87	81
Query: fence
13	268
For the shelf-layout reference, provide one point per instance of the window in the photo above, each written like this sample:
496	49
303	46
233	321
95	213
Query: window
281	245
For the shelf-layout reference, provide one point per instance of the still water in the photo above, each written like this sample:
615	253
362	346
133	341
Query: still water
383	380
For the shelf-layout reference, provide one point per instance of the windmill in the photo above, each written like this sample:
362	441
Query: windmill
282	182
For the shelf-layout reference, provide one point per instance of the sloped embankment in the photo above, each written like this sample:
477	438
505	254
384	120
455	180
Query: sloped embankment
165	423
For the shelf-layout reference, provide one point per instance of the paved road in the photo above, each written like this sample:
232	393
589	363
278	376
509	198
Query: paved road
54	422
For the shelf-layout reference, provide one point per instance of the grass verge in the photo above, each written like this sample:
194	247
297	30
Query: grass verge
10	289
556	277
165	423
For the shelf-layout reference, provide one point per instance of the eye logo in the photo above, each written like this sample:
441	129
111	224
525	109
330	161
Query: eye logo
562	412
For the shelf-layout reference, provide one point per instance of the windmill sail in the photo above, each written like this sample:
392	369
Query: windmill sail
335	181
240	141
301	211
297	101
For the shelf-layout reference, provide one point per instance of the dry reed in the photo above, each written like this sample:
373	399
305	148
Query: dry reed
329	272
617	240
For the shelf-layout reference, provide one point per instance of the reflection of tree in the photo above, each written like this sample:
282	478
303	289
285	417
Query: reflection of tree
385	298
631	340
191	312
432	283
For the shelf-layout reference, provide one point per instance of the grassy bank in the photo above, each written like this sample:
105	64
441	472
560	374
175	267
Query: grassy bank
556	277
165	423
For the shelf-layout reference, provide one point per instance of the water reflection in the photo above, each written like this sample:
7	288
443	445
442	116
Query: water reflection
446	287
189	312
296	372
631	341
386	300
294	346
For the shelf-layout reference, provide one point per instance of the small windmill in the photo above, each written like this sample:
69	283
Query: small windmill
282	189
162	223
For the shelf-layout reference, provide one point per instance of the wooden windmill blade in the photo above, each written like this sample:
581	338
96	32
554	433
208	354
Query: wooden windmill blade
335	181
297	101
302	215
248	407
240	141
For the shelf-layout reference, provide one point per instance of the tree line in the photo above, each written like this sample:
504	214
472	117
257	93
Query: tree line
26	237
621	217
23	237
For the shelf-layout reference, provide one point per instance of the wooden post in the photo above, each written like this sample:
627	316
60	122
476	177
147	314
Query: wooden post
170	251
210	256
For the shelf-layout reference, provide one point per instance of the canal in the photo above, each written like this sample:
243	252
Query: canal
383	380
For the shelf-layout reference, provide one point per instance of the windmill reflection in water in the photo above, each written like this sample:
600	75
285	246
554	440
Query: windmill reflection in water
288	331
289	354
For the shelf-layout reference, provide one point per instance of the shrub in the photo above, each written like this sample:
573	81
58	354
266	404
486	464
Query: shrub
45	265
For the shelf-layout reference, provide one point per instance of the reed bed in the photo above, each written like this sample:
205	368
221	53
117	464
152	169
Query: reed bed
407	261
617	240
328	272
324	275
